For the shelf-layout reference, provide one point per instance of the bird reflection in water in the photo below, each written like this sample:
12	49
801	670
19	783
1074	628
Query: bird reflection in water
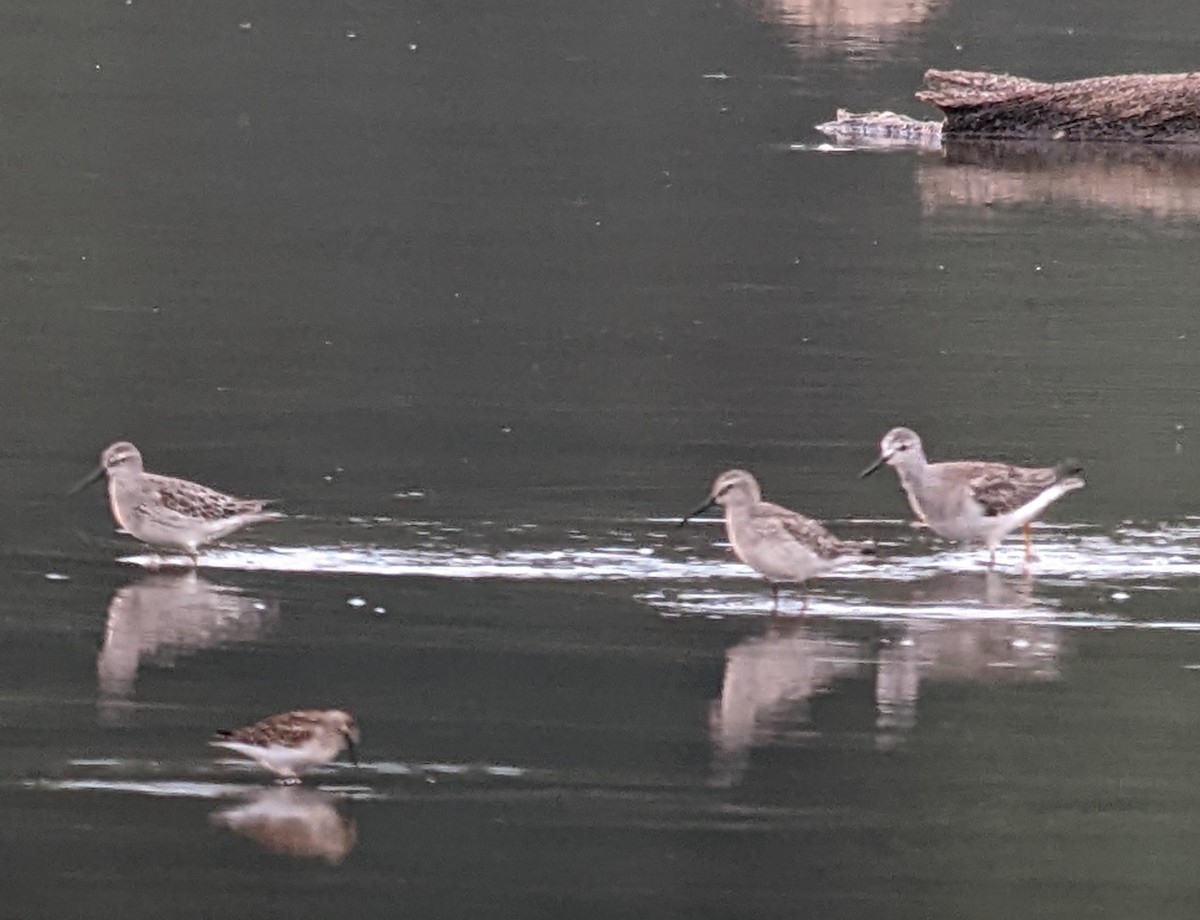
291	821
771	678
165	615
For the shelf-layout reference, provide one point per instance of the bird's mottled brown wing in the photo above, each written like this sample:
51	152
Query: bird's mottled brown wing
290	728
196	501
1000	488
769	518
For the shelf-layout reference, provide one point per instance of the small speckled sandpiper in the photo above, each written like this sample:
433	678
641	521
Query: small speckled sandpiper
974	500
291	742
170	513
781	545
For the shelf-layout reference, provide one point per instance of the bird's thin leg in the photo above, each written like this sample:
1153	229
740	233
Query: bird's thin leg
1029	556
774	597
991	557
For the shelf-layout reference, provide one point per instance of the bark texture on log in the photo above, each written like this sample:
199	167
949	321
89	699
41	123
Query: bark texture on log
1146	108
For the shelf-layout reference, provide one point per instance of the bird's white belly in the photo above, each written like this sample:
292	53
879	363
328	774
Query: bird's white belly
778	560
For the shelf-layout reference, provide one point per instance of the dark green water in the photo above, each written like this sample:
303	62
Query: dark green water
485	296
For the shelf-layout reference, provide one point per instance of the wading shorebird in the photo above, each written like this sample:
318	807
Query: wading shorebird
170	513
784	547
974	500
291	742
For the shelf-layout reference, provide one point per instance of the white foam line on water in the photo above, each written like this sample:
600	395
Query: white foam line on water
719	606
1130	553
177	787
603	564
165	788
722	605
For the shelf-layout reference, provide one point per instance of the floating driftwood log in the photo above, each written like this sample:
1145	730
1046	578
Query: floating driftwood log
1145	108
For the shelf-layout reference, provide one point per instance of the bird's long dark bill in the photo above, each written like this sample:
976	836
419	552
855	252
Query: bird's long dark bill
87	480
873	467
710	503
353	751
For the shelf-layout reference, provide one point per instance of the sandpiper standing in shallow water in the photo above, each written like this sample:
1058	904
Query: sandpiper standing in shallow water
291	742
781	545
974	500
170	513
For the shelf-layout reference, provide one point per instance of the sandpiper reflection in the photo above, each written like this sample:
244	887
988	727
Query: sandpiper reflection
291	821
771	679
164	615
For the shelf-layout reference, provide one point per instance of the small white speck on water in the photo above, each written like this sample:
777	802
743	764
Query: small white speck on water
1120	595
507	429
356	602
409	494
1020	643
499	770
645	551
83	258
97	66
351	34
246	26
260	606
716	75
412	46
941	268
1037	268
958	47
1179	426
379	611
57	576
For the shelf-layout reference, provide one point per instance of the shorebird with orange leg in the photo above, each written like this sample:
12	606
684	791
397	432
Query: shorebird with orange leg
974	501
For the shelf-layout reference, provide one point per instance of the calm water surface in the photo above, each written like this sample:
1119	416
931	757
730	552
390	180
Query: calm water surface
485	296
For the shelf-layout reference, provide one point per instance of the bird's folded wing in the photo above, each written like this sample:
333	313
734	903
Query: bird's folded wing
1001	489
196	501
774	519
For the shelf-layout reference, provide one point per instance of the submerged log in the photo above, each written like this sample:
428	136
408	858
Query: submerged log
1145	108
